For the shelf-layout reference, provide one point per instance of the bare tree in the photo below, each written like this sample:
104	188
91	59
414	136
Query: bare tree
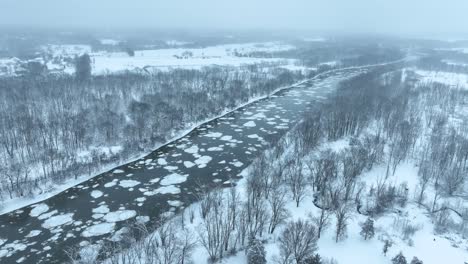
322	221
296	181
342	214
277	204
298	242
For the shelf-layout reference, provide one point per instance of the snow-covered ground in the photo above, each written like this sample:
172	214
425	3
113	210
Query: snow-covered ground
455	80
160	59
164	59
424	244
455	63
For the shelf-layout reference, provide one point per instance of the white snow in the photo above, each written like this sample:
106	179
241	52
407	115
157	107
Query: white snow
164	59
118	171
455	80
111	42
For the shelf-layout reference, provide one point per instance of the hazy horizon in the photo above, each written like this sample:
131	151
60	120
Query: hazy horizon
399	17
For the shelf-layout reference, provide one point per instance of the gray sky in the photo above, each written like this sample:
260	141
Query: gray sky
371	16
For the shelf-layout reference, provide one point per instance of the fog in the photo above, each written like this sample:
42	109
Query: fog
369	16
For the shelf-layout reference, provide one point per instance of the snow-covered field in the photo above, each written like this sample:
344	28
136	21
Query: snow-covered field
165	59
160	59
455	80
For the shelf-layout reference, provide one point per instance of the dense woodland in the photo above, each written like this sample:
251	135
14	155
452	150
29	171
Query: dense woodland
56	127
388	120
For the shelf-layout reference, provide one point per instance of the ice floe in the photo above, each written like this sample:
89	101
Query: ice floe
58	220
33	233
192	150
171	189
103	209
214	135
96	194
120	215
173	179
111	184
189	164
39	209
162	162
202	161
98	229
128	183
215	149
250	124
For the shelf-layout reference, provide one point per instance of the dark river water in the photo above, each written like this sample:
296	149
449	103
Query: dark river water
160	183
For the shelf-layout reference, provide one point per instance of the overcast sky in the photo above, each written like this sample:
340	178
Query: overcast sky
371	16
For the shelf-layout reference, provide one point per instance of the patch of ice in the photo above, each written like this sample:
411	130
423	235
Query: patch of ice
189	164
173	179
39	209
47	215
128	183
171	189
96	194
33	233
237	164
214	135
118	171
174	203
162	162
250	124
140	199
120	215
202	161
103	209
98	230
58	220
156	180
215	149
192	150
142	219
111	184
171	168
